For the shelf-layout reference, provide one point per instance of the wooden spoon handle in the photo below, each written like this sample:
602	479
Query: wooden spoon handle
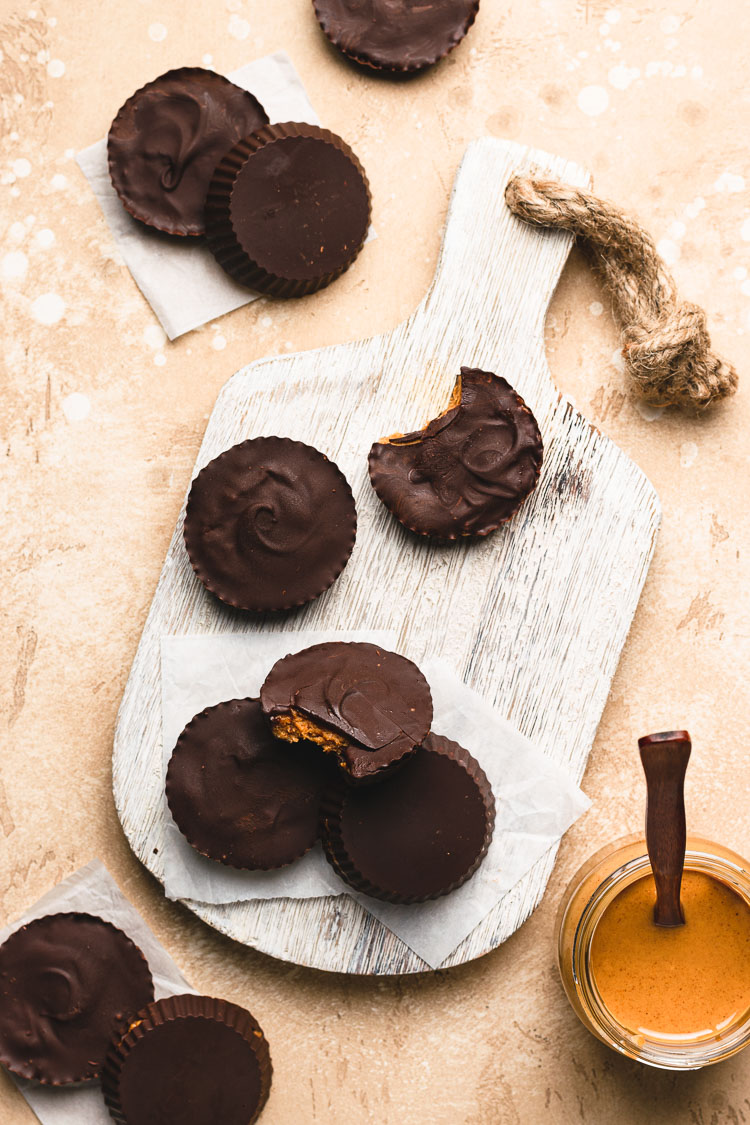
665	758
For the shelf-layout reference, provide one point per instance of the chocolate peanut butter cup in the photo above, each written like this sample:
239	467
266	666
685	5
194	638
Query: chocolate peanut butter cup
270	524
288	209
188	1060
165	142
418	835
368	706
239	795
469	470
395	35
65	981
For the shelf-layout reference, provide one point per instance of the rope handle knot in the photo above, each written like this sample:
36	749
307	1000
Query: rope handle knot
665	341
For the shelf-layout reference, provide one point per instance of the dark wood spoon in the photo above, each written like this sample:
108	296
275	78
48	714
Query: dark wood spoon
665	758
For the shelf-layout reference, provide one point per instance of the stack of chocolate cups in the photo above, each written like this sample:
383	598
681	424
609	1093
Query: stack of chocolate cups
339	746
285	208
77	1005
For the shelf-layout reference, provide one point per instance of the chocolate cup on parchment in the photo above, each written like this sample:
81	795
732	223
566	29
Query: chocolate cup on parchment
166	140
288	209
187	1059
401	38
270	524
367	706
65	981
239	795
419	834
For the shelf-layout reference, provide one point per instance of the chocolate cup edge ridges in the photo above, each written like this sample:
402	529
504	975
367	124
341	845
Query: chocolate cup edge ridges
333	830
226	242
170	1009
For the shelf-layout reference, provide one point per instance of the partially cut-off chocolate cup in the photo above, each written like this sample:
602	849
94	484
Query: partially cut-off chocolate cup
400	36
188	1060
288	209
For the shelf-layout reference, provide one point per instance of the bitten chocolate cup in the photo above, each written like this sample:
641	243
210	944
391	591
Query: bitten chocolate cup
193	1060
419	834
270	524
239	795
166	140
368	707
400	37
288	209
469	470
65	981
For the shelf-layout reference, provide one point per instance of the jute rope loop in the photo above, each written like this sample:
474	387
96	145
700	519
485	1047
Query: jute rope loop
665	341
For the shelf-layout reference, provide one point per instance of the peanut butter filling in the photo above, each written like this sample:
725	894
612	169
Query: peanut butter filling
295	726
455	400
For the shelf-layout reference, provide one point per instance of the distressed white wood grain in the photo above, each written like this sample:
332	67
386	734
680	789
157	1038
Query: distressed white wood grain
534	617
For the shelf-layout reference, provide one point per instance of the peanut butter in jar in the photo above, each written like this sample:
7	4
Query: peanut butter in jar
679	997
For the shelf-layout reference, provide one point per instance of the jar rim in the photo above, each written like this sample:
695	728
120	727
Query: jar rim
687	1053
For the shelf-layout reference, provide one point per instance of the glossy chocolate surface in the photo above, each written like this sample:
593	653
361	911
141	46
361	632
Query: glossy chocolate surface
377	700
288	209
167	139
469	469
417	835
65	981
241	796
270	524
191	1060
396	34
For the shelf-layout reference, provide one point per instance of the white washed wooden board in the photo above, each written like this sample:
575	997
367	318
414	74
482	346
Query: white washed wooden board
534	617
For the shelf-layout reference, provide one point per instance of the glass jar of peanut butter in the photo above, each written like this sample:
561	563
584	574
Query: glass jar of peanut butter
670	997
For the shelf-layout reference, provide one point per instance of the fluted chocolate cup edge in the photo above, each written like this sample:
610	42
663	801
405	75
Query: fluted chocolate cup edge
183	1006
332	834
221	236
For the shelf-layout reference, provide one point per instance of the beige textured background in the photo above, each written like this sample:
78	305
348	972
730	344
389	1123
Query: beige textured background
91	487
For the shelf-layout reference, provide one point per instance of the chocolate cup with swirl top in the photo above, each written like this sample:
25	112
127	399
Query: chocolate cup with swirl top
193	1060
420	834
369	707
65	981
238	795
166	140
288	209
270	524
395	35
469	470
